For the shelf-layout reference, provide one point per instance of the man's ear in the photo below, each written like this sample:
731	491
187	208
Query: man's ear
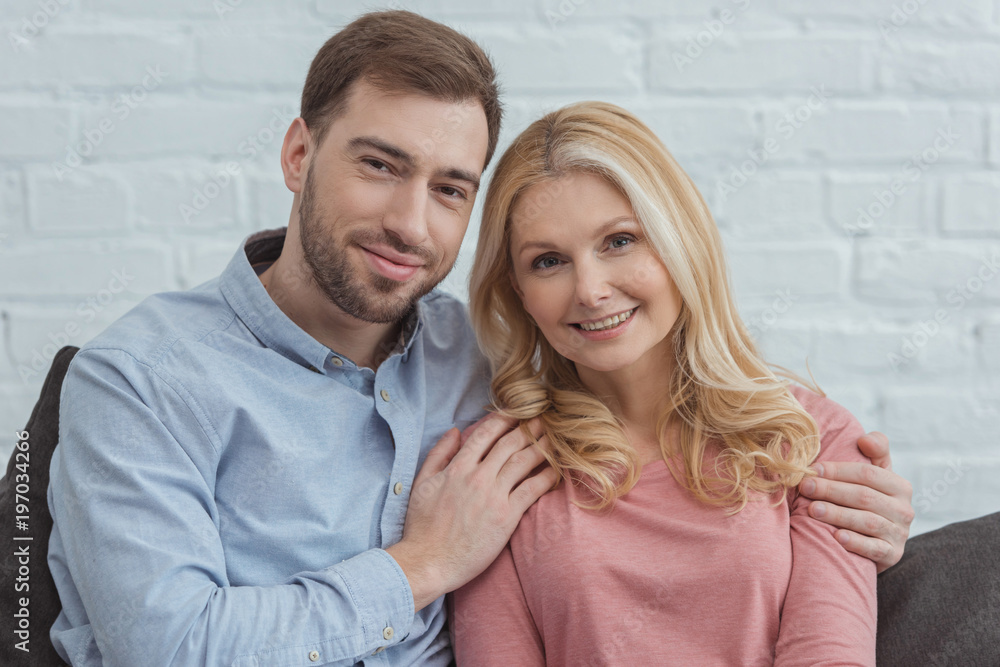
296	152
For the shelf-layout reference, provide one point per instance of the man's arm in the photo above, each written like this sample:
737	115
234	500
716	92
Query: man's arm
137	532
868	502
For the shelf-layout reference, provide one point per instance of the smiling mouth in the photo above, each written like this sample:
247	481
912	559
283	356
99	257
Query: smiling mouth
606	323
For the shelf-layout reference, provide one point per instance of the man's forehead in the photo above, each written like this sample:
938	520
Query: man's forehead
427	128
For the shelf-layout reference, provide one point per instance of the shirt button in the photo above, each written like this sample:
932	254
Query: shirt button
398	489
378	650
387	633
337	361
313	656
385	395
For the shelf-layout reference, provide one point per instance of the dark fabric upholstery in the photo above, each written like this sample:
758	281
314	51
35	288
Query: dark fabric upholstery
940	605
43	606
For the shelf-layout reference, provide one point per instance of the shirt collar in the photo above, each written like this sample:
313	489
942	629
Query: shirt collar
254	306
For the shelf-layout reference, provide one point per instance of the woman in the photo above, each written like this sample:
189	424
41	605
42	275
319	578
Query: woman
600	295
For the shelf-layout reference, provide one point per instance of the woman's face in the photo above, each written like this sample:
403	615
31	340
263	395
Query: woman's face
588	276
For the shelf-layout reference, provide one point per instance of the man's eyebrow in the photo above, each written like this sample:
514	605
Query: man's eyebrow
455	173
378	144
463	175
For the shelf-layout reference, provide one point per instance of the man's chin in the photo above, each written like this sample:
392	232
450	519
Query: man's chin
377	305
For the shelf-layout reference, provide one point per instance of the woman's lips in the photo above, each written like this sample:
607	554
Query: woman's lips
606	334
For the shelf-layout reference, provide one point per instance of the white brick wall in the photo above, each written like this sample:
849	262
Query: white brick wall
855	242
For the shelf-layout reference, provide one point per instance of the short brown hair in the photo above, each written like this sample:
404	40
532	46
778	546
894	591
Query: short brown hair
400	51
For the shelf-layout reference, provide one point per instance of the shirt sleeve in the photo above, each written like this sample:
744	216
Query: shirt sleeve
492	624
829	614
137	550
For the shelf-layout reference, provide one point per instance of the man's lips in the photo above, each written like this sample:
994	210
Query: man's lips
394	256
390	263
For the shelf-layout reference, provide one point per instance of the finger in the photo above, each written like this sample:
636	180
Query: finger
858	473
440	455
519	465
510	444
882	553
482	439
844	497
870	524
530	490
467	431
875	446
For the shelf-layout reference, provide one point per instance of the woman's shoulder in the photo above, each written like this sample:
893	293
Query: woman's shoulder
839	429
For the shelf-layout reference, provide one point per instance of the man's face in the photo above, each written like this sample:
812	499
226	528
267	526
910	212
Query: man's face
387	199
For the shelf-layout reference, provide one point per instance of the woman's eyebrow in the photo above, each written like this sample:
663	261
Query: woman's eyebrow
604	229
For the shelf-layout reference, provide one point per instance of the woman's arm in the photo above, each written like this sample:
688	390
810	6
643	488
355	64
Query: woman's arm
491	623
829	615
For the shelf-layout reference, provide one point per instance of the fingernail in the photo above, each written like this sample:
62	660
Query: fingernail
819	509
809	486
819	469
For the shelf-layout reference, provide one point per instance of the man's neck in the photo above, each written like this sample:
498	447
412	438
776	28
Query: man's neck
295	292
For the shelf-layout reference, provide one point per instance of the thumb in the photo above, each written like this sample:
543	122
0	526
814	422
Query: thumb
440	455
875	446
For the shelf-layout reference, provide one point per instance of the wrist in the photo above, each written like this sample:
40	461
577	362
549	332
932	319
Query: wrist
426	584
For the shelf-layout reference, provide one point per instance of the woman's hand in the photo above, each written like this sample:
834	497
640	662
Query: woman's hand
869	503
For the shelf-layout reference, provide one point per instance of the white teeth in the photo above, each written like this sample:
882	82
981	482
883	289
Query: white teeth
607	323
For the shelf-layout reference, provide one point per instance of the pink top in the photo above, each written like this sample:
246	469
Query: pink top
664	579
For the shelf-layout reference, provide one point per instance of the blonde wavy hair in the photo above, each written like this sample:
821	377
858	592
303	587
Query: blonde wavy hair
724	404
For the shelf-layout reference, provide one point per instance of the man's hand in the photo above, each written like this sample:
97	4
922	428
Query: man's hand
467	499
869	503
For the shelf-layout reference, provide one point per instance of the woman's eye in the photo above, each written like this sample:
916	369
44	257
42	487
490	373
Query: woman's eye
620	241
546	263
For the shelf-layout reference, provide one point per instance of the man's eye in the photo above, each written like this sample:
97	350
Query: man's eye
376	164
449	191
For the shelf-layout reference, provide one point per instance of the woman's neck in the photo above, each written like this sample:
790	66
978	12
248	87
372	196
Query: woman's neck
635	395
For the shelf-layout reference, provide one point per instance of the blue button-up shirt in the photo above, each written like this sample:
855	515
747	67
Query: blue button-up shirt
224	483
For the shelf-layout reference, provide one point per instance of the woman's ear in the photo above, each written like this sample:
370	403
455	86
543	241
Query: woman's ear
513	283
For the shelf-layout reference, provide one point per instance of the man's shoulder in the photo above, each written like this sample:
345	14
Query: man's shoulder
150	331
446	320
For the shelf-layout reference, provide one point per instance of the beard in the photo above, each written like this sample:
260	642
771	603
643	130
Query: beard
362	294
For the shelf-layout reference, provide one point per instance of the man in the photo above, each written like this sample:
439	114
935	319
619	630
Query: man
237	476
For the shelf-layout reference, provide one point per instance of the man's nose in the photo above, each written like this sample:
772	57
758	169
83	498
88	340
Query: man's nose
406	215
